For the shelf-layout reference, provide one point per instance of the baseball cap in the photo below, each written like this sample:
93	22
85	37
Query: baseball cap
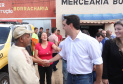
19	31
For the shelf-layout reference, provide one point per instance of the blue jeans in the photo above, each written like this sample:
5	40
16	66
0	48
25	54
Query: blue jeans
94	76
64	71
55	63
80	79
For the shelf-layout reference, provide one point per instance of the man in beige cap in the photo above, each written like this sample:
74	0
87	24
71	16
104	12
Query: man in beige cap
21	69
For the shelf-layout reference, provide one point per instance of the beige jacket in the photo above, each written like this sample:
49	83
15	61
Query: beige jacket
21	69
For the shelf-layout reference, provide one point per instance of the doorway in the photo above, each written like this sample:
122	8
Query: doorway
93	29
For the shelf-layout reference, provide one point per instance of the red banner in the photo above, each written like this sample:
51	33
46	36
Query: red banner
27	9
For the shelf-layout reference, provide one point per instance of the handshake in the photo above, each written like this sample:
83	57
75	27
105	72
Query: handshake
45	63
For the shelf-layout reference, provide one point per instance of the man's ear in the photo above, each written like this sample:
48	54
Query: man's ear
21	39
71	25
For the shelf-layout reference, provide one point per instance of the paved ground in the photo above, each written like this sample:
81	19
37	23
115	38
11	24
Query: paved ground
57	77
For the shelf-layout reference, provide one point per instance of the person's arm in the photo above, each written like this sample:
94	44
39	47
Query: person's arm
95	54
34	42
105	55
57	57
99	70
56	48
61	38
56	41
38	60
33	38
105	81
36	55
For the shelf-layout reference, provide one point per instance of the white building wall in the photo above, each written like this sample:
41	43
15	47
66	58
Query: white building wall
85	9
110	27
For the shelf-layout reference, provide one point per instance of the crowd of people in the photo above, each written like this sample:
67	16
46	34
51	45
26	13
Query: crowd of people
86	59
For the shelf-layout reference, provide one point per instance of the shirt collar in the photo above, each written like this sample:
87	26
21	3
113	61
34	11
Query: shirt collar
54	34
79	36
18	47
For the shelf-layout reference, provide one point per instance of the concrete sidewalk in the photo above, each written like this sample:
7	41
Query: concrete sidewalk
57	77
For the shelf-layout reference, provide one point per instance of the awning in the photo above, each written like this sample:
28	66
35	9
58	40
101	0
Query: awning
98	21
99	18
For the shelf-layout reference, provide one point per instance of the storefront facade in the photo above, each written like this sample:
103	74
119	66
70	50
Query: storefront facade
40	13
89	8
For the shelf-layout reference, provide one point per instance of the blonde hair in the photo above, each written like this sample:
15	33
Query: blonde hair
117	40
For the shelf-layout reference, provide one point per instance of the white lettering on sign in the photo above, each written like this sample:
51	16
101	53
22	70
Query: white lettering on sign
85	2
6	11
90	2
2	5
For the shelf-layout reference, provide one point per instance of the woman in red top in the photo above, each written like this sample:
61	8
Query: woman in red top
43	51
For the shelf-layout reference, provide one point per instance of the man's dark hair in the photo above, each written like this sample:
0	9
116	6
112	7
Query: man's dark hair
99	34
35	28
102	31
86	32
74	19
53	29
58	30
41	27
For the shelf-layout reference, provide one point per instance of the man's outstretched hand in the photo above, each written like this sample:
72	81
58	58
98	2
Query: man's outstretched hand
45	63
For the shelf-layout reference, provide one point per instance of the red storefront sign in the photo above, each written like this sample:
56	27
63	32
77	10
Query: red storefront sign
27	8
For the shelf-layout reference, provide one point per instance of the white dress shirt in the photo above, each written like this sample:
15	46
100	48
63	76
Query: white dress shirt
101	46
61	45
80	52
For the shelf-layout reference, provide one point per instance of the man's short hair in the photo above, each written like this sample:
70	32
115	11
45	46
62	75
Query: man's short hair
35	28
53	29
58	30
41	27
100	29
47	29
74	19
86	32
99	34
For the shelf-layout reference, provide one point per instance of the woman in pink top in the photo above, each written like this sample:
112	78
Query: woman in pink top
44	50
